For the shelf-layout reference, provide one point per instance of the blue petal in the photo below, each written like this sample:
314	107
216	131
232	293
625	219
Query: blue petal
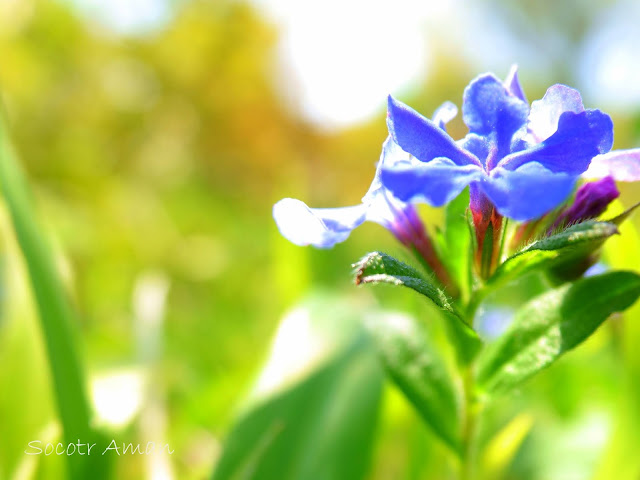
527	192
579	138
421	137
320	227
545	113
381	206
479	146
512	83
489	110
391	155
436	183
324	227
444	114
622	165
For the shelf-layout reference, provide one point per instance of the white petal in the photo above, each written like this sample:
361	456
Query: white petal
545	113
320	227
622	165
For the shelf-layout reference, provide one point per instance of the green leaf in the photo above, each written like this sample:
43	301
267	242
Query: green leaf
321	428
572	244
379	267
551	324
417	369
618	219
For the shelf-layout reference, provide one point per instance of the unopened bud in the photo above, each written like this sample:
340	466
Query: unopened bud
592	199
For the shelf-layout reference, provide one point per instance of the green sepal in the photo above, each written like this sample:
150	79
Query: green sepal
486	257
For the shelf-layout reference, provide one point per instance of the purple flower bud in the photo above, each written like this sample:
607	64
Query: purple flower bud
592	199
408	228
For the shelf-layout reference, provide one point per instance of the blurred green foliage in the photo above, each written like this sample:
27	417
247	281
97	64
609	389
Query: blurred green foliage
155	160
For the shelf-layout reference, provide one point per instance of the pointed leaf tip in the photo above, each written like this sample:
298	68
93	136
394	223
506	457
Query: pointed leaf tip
618	219
377	267
569	245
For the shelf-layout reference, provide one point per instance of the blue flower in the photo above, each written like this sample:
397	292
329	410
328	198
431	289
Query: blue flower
521	161
324	227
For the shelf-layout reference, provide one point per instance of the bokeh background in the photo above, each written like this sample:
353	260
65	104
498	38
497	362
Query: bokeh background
157	135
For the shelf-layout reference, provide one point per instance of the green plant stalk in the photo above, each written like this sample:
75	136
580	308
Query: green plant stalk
54	312
477	297
471	406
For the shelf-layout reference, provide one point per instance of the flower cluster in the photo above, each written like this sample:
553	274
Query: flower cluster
519	161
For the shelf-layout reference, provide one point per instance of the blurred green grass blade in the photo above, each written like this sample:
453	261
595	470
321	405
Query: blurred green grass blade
503	447
551	324
53	310
321	428
420	373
